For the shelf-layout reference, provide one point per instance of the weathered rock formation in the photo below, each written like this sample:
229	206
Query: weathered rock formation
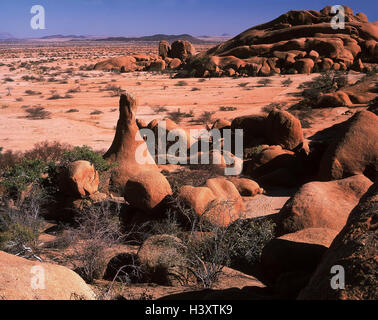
128	150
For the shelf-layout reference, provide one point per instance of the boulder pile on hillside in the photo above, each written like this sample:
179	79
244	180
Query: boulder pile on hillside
296	42
170	57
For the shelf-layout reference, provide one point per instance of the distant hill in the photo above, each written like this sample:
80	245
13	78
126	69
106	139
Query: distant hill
60	36
156	37
6	36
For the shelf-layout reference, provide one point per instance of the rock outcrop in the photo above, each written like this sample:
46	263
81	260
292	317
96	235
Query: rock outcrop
296	42
355	249
128	150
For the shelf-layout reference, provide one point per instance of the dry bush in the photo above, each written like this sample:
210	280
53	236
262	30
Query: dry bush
264	82
329	81
20	225
72	111
206	117
97	226
48	151
161	109
37	113
243	84
32	92
223	108
287	82
238	245
274	105
96	112
9	159
181	83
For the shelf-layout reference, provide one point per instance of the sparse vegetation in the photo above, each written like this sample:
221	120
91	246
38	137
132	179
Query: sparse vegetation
37	113
181	83
96	112
264	82
72	111
206	117
227	108
287	82
326	82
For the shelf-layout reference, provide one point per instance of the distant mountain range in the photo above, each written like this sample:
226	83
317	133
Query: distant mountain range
60	36
5	36
154	38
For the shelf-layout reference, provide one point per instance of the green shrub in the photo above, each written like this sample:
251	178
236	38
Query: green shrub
16	179
86	153
248	236
20	228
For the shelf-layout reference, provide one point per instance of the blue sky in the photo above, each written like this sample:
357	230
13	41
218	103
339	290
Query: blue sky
147	17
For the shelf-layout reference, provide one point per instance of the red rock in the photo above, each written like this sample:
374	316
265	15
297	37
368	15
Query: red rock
282	128
354	150
79	179
321	205
61	283
127	141
355	249
147	190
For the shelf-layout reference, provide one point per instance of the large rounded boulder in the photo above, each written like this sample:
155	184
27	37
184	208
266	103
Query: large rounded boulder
355	250
147	190
321	204
182	50
22	279
283	129
79	179
217	202
354	150
293	254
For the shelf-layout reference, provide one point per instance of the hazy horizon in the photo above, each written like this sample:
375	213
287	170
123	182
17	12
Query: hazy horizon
133	18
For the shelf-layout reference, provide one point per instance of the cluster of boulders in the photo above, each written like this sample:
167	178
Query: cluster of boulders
147	190
329	220
170	57
307	224
296	42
